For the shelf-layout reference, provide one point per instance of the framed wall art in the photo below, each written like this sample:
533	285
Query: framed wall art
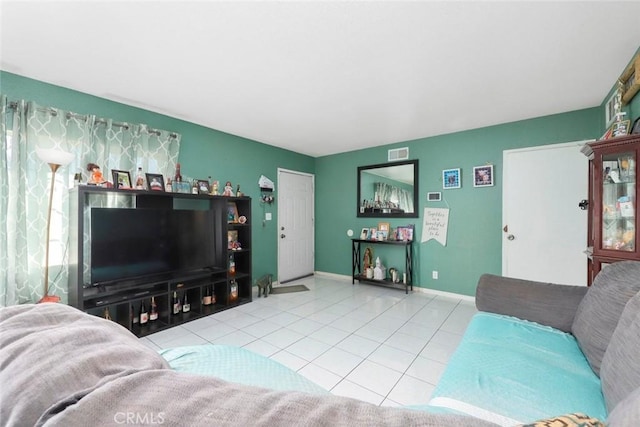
483	176
451	179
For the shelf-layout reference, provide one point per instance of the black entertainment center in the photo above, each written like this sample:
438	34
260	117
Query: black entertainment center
136	250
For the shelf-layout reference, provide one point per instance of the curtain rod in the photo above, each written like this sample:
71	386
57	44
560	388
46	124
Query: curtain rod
54	112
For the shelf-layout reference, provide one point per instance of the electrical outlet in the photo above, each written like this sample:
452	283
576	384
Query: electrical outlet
434	275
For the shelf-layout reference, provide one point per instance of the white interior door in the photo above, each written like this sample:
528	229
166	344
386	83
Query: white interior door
295	225
545	232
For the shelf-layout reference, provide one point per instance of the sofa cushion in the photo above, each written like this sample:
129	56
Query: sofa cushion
509	371
53	355
620	370
627	412
598	313
569	420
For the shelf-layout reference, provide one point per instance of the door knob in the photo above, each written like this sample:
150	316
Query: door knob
511	237
583	204
282	236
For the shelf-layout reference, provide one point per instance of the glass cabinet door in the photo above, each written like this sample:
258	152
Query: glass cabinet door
618	201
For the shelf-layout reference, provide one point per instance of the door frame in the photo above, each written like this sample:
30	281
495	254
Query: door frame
313	219
505	193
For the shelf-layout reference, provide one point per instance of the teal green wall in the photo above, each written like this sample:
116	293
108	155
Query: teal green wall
475	225
475	235
203	152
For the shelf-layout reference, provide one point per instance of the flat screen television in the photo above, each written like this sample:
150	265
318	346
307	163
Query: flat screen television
138	243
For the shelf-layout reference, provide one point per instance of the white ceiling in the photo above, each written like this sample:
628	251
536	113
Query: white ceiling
327	77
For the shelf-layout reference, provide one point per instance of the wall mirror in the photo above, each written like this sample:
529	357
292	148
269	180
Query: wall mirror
388	190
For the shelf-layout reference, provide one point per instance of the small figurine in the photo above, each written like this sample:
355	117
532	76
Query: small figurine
367	258
96	174
214	188
379	271
228	189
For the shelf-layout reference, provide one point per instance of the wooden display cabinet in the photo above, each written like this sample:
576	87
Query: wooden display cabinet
613	204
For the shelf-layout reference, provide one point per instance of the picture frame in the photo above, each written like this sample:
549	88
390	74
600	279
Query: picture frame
382	235
373	233
405	233
155	182
203	186
630	80
635	129
121	179
384	226
483	176
364	234
609	109
232	212
451	179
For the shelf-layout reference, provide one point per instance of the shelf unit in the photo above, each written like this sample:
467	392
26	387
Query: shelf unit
122	299
358	274
613	202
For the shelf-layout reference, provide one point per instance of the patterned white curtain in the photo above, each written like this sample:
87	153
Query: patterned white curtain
402	198
25	183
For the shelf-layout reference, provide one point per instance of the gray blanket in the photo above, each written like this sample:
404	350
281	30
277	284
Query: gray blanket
62	367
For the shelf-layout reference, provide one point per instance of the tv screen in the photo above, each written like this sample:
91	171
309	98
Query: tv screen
133	243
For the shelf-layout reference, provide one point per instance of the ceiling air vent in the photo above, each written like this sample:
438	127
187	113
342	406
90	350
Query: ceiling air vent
399	154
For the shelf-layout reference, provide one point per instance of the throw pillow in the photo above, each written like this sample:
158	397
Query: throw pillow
627	412
620	370
569	420
599	311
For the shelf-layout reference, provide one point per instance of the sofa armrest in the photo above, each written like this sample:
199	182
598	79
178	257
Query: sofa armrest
545	303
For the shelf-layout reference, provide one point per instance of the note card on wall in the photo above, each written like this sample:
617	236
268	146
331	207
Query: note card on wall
436	224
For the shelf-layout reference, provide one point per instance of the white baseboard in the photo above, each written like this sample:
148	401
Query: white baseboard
343	277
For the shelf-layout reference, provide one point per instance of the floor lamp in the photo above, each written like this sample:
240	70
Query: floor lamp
55	159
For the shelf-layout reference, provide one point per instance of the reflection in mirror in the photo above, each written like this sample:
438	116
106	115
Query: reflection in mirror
388	190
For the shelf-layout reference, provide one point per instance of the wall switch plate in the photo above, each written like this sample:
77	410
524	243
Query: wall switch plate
434	275
267	216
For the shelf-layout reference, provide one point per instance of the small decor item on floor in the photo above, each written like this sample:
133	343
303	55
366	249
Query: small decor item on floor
288	289
265	285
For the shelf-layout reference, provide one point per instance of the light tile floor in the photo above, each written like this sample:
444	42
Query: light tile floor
367	342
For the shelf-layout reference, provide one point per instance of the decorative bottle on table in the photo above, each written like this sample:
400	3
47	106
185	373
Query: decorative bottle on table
185	303
175	303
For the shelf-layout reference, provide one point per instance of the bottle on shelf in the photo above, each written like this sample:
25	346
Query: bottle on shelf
233	294
140	180
134	318
153	312
206	299
232	265
107	315
167	186
194	187
178	175
176	303
144	314
185	303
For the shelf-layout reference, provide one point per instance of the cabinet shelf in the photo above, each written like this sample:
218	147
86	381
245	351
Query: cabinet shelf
122	298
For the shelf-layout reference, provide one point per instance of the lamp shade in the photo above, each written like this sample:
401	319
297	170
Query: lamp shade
55	157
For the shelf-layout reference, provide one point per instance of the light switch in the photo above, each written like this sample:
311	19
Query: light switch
267	216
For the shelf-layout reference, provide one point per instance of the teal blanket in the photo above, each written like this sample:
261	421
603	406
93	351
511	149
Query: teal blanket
513	371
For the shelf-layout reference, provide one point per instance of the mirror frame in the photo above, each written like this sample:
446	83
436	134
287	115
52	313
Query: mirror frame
391	215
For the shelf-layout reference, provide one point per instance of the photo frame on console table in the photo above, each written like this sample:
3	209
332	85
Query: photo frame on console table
155	182
121	179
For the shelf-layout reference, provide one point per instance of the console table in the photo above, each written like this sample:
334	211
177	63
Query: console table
357	274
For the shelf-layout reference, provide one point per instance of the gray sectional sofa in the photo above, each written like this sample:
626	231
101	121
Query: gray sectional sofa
534	351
